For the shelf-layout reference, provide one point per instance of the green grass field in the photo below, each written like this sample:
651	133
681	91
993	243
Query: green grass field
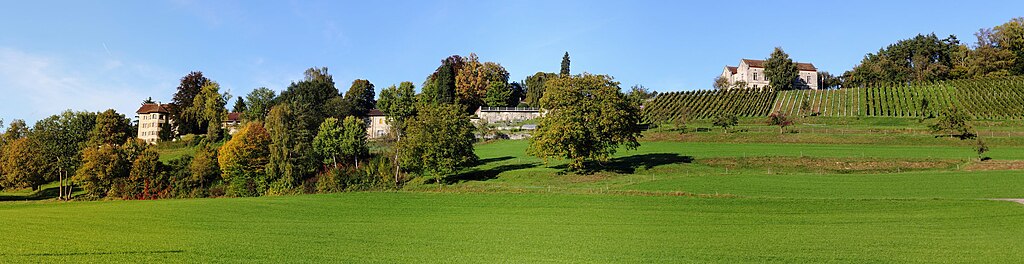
668	201
416	227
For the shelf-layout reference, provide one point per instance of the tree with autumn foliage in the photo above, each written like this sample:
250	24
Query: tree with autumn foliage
780	120
243	160
474	78
23	165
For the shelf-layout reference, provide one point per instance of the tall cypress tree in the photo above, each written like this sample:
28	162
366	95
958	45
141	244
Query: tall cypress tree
565	64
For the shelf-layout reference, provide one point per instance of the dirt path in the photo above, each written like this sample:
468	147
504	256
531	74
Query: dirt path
1020	201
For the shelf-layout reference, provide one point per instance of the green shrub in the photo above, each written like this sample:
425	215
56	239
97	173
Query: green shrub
243	185
330	181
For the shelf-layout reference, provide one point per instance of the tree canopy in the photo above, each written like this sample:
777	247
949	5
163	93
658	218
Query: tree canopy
919	59
498	95
399	104
245	155
258	103
360	97
440	86
535	87
440	141
189	87
23	165
111	128
780	70
588	119
474	79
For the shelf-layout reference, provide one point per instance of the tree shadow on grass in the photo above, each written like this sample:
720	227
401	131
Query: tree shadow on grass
487	174
44	194
629	164
489	160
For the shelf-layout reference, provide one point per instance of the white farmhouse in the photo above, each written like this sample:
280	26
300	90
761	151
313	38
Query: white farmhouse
377	125
752	73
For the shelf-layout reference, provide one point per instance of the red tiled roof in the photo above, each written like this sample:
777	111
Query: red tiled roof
234	116
799	65
153	108
375	112
732	69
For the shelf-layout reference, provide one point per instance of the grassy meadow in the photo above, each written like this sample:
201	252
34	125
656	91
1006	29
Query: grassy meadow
701	197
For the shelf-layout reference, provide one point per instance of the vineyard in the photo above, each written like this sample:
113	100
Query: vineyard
707	104
998	98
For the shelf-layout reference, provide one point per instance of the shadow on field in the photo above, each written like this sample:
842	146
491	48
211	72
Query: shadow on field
485	161
629	164
483	175
44	194
95	253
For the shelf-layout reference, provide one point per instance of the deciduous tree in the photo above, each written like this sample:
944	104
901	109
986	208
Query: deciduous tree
208	108
204	168
258	103
111	128
144	178
62	138
955	123
360	97
246	153
23	165
780	70
725	121
919	59
1010	36
353	141
399	104
328	141
291	156
780	120
189	87
472	81
17	129
498	95
101	164
308	99
588	119
440	141
535	87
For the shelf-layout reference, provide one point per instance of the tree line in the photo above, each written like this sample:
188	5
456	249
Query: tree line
312	137
924	58
996	52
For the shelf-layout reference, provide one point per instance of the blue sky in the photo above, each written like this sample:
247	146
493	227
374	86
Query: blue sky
95	55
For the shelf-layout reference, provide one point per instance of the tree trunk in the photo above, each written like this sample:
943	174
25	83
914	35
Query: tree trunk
60	186
397	163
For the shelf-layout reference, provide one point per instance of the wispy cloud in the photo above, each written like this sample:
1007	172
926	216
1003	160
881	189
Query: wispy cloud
35	86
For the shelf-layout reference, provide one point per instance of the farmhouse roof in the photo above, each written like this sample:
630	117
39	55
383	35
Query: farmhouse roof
732	69
234	116
153	108
375	112
803	66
